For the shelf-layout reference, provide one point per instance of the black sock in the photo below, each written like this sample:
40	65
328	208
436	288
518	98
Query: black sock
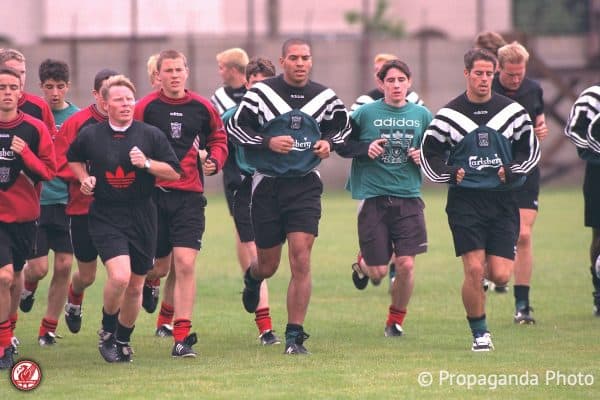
595	279
109	321
478	325
292	331
123	334
521	296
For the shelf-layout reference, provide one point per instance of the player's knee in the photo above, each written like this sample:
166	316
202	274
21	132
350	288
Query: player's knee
524	237
475	272
133	291
118	281
500	277
6	277
404	266
63	260
36	270
62	271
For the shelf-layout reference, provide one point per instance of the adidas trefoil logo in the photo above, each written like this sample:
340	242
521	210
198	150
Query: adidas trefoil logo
120	179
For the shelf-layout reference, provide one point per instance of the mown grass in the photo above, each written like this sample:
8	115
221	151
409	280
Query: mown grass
350	357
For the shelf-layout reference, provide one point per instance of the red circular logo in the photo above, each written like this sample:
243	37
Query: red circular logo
26	375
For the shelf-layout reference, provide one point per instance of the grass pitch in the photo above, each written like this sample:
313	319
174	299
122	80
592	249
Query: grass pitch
351	359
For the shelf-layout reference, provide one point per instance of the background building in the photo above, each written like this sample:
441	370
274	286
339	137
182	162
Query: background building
431	36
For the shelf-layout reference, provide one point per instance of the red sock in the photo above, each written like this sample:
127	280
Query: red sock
263	320
165	316
152	282
181	328
48	325
395	316
5	335
31	286
74	298
13	322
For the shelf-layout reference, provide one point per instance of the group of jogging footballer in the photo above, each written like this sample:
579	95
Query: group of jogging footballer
123	179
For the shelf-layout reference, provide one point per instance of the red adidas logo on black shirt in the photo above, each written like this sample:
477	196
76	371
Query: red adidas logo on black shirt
119	179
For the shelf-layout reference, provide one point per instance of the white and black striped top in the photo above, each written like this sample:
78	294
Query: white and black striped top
583	126
475	136
227	97
273	97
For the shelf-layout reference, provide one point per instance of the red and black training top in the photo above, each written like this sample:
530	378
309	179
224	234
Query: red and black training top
38	108
21	174
78	204
190	124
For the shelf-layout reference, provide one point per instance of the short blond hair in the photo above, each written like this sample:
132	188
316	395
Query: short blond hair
151	66
384	57
11	54
115	80
513	53
234	58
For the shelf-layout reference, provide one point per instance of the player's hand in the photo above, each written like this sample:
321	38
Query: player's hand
281	144
88	185
202	154
138	159
541	130
460	175
18	145
415	155
209	167
376	148
502	174
322	149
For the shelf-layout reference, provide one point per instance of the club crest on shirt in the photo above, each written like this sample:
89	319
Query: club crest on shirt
176	130
4	174
295	122
483	139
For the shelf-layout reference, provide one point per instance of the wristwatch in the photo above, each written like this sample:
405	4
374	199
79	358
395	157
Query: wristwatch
147	163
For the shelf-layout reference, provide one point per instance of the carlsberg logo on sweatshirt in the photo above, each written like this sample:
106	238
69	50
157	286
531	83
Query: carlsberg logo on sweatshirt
7	155
480	163
396	122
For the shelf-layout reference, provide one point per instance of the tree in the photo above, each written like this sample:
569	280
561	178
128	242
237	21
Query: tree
377	24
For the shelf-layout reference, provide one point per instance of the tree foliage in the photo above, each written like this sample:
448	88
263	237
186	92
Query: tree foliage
377	24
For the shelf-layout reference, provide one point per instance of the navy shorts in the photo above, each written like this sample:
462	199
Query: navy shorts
591	195
83	247
16	243
528	194
284	205
181	220
128	229
232	179
389	224
481	219
241	211
53	231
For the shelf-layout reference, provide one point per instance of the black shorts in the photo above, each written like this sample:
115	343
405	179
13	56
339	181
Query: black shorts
83	247
53	231
16	243
480	219
284	205
119	230
181	220
389	224
591	195
232	179
527	195
241	211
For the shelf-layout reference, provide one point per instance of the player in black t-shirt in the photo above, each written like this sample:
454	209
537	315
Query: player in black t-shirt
511	82
118	162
